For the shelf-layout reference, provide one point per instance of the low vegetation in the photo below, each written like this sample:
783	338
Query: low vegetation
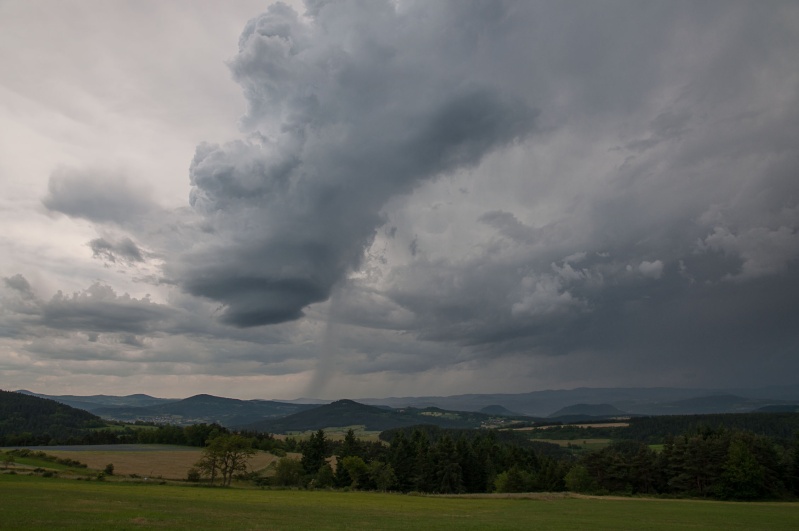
31	502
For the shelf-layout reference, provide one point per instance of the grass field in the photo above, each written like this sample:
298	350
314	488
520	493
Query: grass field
31	502
336	433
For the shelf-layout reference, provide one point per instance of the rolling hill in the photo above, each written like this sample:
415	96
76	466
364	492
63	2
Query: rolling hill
343	413
26	417
205	408
94	402
587	412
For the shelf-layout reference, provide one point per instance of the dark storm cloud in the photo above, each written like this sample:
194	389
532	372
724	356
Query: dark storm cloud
100	309
347	109
96	196
124	250
18	305
21	285
676	242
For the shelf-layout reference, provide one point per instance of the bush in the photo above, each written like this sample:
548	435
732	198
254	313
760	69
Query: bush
193	475
579	480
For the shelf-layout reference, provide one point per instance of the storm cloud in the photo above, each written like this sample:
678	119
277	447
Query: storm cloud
422	198
343	115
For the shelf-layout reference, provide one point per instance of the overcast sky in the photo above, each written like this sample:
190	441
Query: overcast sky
377	198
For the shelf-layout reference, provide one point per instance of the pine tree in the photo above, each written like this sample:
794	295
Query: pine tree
314	453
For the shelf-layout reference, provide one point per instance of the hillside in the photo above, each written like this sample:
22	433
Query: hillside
344	413
23	417
205	408
496	409
94	402
726	403
633	400
588	411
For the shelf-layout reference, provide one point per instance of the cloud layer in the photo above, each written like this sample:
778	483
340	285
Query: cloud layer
341	120
443	197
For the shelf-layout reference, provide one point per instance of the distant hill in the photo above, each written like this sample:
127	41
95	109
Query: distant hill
779	408
26	417
588	410
496	409
94	402
707	404
344	413
205	408
634	400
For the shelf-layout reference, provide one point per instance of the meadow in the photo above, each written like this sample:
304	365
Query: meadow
33	502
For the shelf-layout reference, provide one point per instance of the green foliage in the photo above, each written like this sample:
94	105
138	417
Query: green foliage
579	480
288	472
30	421
314	453
8	460
514	480
325	478
382	475
709	463
193	475
225	455
657	429
743	477
356	469
31	457
109	469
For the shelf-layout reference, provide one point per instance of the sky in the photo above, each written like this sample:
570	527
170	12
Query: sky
397	198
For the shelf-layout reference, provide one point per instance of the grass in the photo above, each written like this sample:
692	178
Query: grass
31	502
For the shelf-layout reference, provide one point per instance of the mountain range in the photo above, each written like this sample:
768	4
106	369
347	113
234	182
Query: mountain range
460	411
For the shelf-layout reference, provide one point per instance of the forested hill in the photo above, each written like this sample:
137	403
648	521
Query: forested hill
343	413
29	415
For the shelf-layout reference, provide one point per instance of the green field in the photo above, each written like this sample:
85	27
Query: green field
31	502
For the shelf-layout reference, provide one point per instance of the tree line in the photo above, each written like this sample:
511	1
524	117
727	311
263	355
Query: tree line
709	463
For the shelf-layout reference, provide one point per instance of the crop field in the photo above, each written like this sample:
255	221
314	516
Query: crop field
32	502
154	461
336	433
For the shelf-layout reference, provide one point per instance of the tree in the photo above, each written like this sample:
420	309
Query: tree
513	480
325	478
743	477
350	445
447	469
314	453
288	472
382	474
227	455
579	480
356	469
8	460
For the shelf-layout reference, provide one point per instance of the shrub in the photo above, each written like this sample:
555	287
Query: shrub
193	475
